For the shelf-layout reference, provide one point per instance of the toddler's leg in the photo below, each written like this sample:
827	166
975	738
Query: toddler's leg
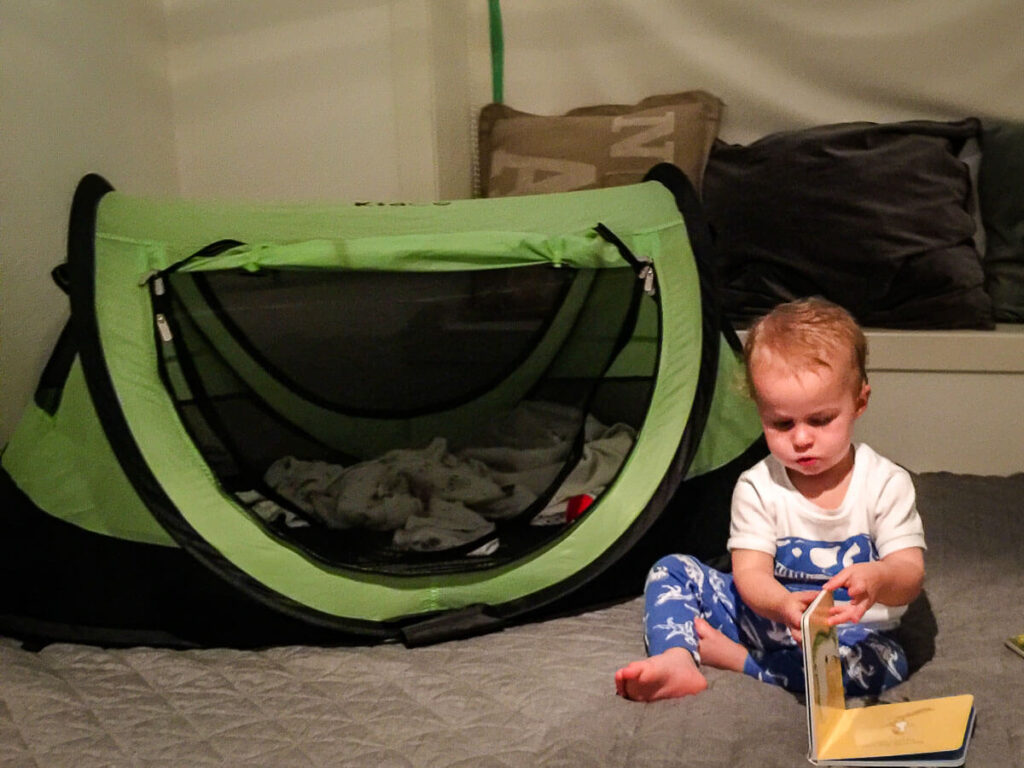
872	661
679	589
784	668
775	657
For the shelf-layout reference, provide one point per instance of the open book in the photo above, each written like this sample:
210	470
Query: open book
925	732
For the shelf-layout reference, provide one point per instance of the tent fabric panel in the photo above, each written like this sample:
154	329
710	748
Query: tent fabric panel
637	358
181	227
585	352
124	317
65	465
439	252
79	586
733	424
730	422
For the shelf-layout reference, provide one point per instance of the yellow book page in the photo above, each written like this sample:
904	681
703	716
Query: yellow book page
903	728
825	699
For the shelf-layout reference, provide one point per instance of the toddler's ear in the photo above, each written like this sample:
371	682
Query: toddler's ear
862	398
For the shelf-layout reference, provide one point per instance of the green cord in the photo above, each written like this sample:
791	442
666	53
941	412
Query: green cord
497	52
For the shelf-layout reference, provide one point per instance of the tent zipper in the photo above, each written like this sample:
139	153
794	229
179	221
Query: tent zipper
643	268
156	285
155	280
163	327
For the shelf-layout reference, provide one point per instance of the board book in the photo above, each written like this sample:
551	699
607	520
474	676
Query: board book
928	732
1016	644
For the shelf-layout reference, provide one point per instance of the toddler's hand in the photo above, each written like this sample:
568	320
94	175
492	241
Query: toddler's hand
794	609
863	582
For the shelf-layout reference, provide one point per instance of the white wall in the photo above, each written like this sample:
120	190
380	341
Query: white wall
313	100
84	89
777	65
944	400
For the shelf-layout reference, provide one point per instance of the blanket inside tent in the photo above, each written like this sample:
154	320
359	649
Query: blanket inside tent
441	496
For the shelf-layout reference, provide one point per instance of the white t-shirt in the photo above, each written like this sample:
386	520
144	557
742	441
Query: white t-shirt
810	544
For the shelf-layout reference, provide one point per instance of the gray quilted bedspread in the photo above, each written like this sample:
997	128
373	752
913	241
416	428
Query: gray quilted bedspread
539	694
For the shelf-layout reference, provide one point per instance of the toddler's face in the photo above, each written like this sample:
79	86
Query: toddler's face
807	414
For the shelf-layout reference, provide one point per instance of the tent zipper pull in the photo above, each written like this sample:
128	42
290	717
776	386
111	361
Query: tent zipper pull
163	327
642	268
647	275
155	280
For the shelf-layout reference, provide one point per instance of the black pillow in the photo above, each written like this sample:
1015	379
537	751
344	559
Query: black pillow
875	217
1001	193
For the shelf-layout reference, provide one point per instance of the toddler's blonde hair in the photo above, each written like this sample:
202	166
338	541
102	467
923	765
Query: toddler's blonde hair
809	333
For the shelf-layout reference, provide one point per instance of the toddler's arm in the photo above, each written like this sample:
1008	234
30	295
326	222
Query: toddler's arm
753	573
896	579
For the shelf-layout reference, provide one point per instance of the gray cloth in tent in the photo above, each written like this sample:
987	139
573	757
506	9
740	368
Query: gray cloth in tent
540	694
434	498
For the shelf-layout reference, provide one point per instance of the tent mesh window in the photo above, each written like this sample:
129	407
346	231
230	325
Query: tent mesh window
406	422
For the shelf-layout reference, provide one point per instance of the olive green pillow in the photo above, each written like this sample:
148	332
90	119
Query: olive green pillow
597	146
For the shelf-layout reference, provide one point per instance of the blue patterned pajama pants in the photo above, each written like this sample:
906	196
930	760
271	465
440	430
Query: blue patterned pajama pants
679	588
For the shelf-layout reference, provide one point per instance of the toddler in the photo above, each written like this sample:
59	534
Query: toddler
818	513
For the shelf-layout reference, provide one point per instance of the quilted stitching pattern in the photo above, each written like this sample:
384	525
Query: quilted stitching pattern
537	695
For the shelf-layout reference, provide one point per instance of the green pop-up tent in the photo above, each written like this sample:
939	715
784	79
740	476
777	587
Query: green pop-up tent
271	423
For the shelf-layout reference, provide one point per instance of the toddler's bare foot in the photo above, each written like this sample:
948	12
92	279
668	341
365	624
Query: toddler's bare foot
718	650
667	675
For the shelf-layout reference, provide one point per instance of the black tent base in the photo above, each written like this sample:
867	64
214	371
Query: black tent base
66	584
